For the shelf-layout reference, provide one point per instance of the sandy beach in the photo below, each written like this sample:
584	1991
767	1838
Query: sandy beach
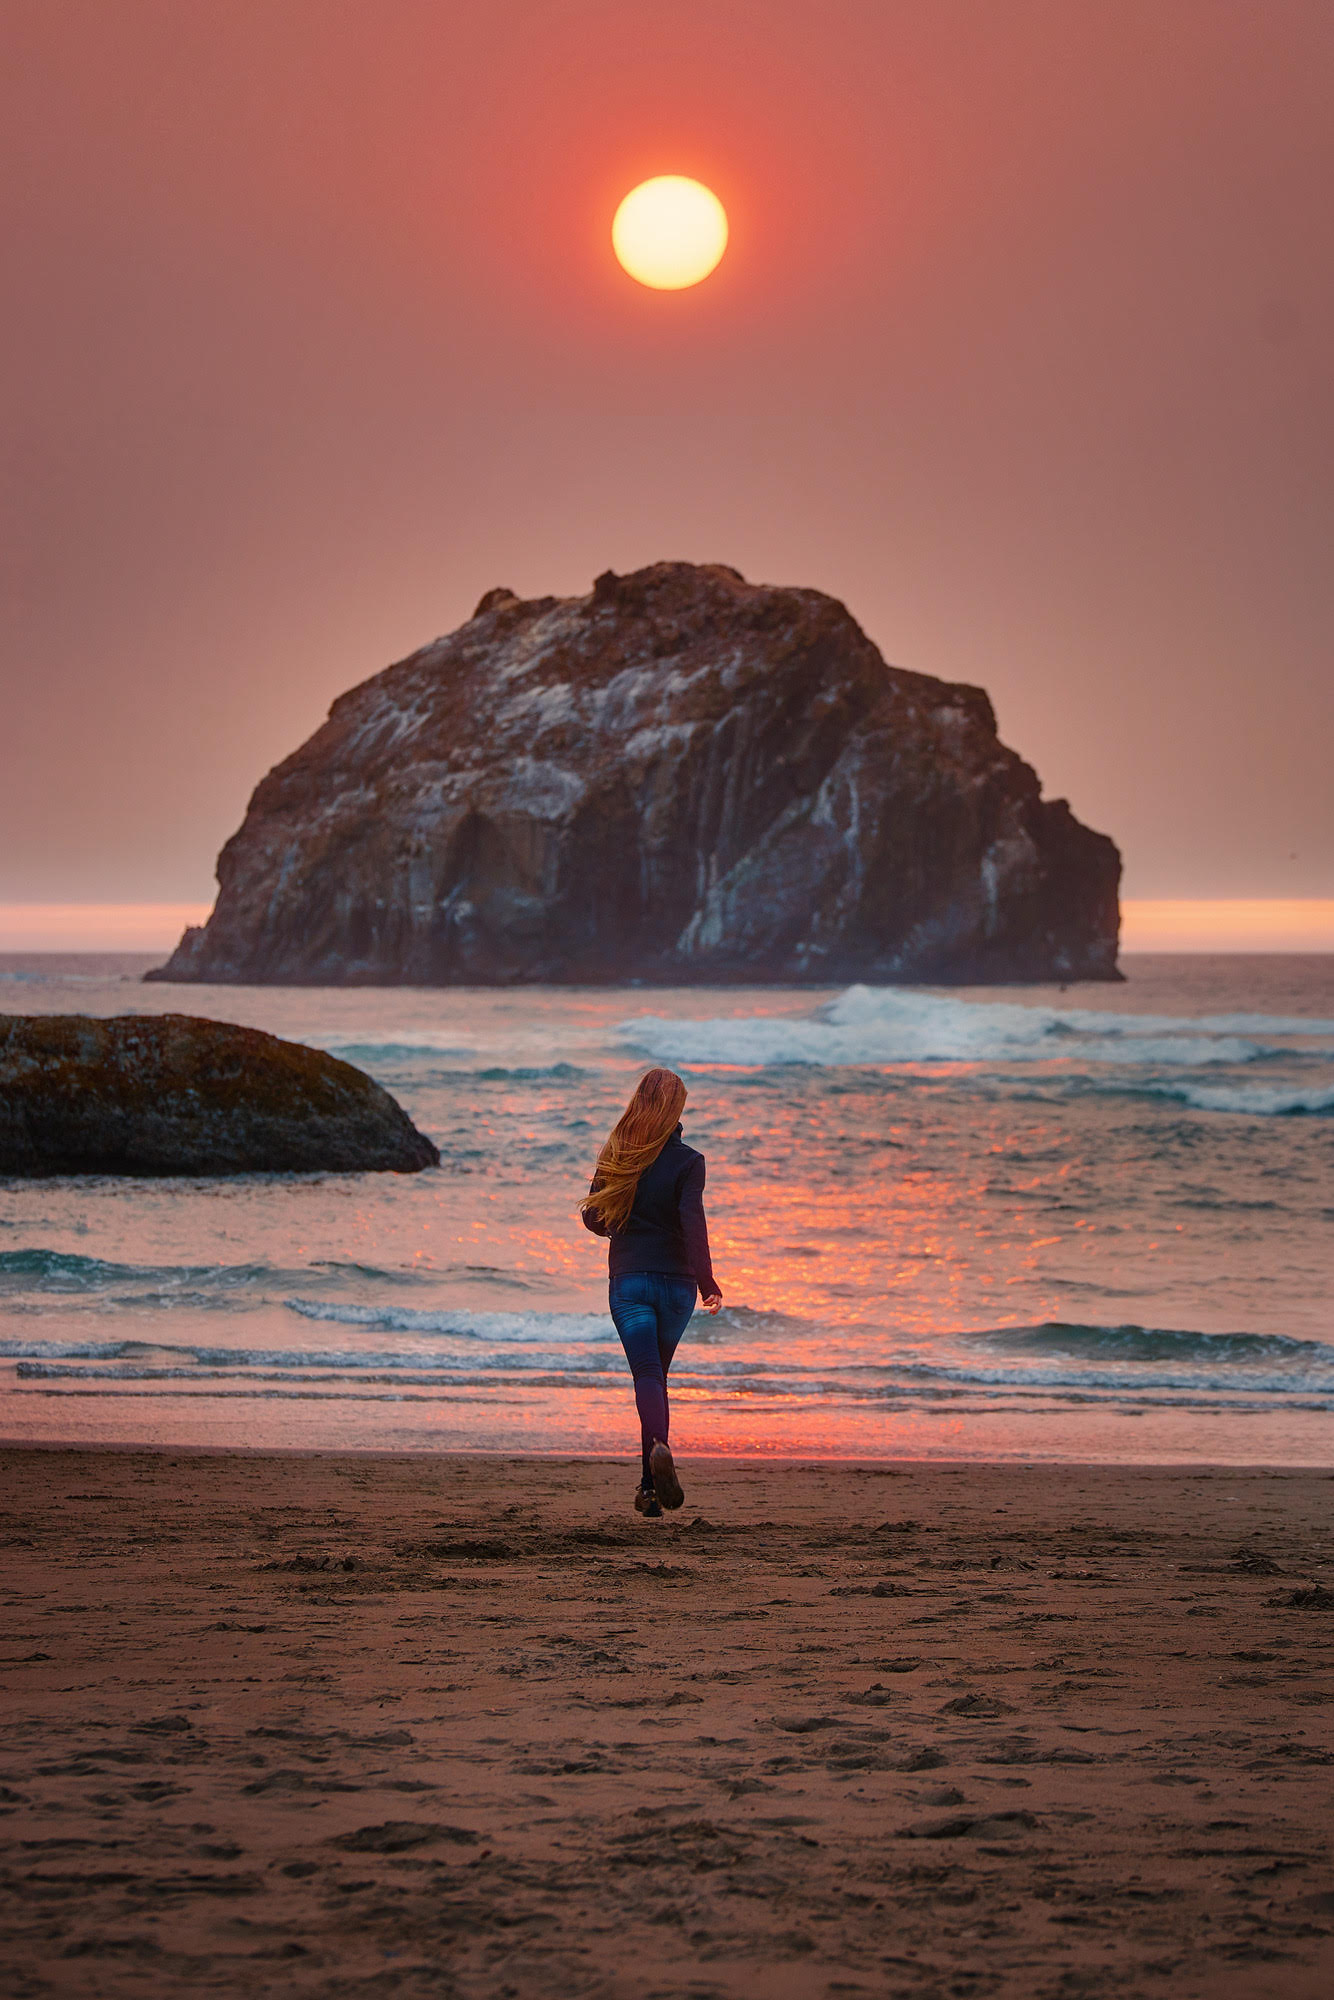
468	1726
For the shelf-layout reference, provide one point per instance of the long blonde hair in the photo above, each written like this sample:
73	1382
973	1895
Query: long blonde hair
634	1143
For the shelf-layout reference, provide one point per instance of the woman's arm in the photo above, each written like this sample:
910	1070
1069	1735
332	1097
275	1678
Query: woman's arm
590	1216
696	1232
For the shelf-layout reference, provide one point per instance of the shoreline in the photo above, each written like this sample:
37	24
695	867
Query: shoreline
412	1725
625	1457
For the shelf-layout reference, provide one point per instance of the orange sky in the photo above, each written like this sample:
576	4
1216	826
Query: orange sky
1020	346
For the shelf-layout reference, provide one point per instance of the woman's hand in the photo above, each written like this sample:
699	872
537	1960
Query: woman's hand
713	1303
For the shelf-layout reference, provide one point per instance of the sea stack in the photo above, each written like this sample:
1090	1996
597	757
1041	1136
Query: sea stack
681	778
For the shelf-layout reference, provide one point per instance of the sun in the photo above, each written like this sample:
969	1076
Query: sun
669	232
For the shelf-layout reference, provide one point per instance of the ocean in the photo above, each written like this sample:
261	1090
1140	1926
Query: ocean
1086	1225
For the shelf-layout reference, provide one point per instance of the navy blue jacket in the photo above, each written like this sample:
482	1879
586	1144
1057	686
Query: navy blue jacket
665	1230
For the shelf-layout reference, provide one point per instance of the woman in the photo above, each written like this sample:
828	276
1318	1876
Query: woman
648	1197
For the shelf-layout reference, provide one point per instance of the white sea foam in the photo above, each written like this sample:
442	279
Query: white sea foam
482	1326
875	1025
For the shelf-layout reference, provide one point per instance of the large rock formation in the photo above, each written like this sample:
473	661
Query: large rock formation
167	1094
680	777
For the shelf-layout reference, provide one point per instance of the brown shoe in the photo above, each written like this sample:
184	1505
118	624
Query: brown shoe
647	1504
665	1482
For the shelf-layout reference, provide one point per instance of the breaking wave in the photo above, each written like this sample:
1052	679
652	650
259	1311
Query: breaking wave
484	1326
36	1277
887	1025
1152	1343
1052	1363
462	1064
64	1271
1256	1100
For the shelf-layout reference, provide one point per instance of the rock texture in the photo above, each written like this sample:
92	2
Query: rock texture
681	777
168	1094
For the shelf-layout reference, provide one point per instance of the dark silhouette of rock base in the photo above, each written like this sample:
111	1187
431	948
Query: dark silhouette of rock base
168	1094
681	777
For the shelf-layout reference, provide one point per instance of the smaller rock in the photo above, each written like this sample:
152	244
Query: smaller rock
157	1094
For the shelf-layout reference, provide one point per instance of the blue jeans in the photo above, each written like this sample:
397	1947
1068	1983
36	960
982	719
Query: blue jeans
651	1312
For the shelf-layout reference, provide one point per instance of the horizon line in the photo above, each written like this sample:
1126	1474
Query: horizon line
1149	924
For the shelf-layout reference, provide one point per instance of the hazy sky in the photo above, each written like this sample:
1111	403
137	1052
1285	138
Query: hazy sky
1022	347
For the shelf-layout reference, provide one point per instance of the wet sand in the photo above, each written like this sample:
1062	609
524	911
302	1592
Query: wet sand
468	1726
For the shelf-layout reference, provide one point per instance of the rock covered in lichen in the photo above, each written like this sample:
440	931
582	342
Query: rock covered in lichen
170	1094
680	777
